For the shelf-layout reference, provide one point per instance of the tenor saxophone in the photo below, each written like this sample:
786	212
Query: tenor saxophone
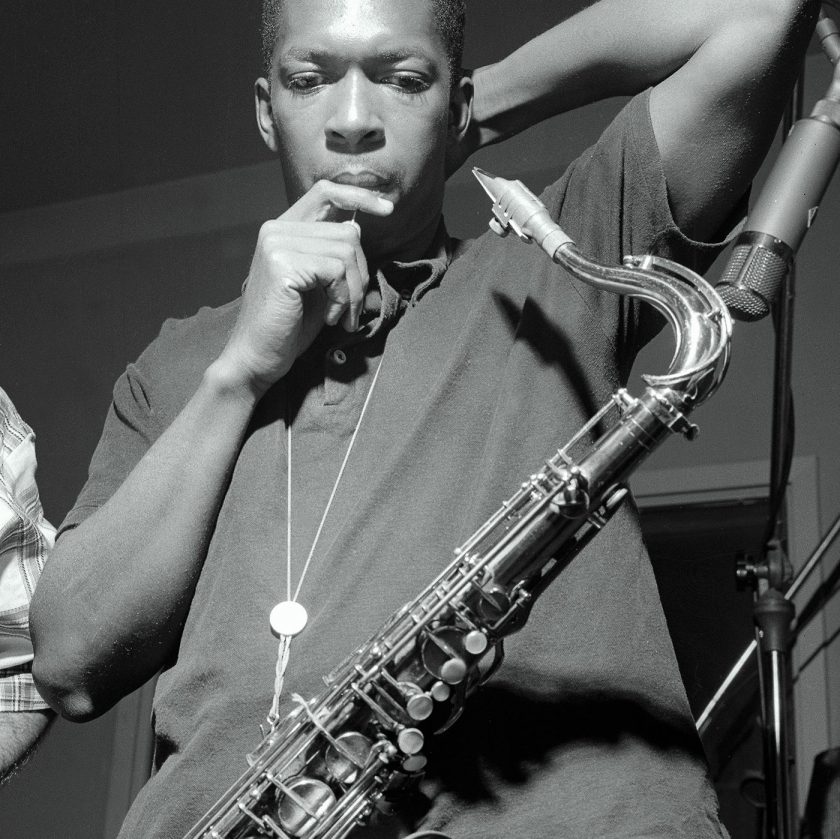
341	756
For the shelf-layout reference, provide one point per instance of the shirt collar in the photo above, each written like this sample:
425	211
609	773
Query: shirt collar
402	284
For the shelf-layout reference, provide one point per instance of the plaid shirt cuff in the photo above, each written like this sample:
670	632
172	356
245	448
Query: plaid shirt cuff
18	692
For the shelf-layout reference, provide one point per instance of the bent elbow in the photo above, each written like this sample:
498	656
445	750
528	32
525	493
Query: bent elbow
65	691
60	671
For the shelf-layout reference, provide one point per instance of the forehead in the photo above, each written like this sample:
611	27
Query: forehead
359	25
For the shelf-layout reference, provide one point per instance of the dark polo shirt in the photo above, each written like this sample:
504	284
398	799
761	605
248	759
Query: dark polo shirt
488	367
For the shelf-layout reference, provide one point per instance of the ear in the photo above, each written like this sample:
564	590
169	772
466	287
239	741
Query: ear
265	114
460	108
461	142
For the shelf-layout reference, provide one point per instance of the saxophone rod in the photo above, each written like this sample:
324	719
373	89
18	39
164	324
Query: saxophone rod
799	580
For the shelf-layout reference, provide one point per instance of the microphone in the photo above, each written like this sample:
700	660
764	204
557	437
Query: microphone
788	202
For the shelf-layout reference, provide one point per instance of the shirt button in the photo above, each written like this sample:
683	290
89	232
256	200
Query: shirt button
338	356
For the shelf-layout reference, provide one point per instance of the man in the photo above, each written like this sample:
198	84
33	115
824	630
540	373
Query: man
25	539
379	389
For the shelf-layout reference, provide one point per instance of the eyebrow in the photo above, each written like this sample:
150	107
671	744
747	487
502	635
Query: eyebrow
388	56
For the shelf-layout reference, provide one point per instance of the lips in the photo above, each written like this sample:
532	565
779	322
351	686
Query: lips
364	179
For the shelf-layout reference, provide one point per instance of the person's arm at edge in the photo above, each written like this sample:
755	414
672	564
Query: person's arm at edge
721	72
20	732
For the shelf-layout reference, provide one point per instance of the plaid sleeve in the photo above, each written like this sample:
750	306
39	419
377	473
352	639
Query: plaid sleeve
18	691
25	539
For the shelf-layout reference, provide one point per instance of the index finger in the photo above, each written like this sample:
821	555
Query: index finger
329	201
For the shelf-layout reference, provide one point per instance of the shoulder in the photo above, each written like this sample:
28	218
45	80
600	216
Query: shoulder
166	374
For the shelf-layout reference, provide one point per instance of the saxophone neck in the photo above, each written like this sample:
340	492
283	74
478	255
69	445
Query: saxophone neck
697	316
695	313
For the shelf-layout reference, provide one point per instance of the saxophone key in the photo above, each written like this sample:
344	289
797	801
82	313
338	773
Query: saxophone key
442	654
347	755
492	604
410	740
453	671
420	706
302	803
440	691
414	764
475	642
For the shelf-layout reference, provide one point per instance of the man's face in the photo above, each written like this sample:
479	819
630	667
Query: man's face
360	94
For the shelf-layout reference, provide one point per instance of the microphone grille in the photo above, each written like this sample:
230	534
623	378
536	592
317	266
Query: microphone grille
751	280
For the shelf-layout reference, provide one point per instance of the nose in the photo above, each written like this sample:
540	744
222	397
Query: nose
355	123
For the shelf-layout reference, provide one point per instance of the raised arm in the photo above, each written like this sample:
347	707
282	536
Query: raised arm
721	72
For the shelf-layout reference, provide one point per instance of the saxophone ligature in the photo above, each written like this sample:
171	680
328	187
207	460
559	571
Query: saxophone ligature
347	753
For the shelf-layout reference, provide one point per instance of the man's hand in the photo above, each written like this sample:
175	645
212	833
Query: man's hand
308	269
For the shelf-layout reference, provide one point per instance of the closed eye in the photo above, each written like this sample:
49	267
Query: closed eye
305	82
407	82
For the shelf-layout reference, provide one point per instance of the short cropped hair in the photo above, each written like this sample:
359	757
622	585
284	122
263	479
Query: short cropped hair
450	19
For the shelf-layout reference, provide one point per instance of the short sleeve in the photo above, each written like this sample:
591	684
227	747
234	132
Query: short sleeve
613	201
130	428
146	398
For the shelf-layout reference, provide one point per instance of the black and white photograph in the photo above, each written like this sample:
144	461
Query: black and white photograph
418	419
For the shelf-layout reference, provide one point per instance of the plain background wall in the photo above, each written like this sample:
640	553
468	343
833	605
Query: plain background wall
137	118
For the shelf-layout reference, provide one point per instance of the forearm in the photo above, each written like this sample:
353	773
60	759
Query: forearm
114	595
19	733
618	47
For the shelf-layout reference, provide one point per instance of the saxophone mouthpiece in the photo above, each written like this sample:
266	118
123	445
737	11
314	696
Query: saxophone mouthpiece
494	187
516	208
488	182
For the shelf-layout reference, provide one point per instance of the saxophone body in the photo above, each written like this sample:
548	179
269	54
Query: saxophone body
341	756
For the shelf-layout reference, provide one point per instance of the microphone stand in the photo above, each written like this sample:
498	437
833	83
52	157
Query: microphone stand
773	613
773	609
775	228
802	576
